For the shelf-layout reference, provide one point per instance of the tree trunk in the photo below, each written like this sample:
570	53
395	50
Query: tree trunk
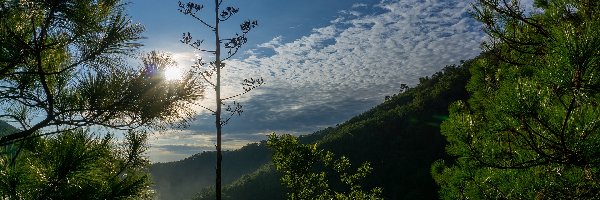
218	101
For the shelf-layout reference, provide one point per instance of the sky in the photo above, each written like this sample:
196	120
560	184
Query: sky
323	61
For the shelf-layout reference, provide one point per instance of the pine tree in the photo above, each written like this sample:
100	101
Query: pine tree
212	72
64	71
63	65
75	165
531	126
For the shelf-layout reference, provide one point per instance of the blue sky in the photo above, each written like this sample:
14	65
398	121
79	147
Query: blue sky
323	61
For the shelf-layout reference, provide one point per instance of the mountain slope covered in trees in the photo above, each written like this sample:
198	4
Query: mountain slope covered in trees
400	138
6	128
182	179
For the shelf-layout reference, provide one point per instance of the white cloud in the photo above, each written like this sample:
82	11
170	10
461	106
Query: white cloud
348	66
371	55
274	43
351	12
358	5
364	57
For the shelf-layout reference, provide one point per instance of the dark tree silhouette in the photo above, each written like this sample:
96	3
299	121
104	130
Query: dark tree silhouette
211	72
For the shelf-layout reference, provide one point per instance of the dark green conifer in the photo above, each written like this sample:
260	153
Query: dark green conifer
531	127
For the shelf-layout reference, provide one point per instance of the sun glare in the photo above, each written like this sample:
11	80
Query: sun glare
173	73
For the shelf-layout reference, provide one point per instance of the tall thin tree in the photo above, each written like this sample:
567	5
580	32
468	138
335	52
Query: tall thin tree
211	72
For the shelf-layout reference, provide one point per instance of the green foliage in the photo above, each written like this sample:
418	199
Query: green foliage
182	179
64	64
400	139
75	165
530	129
260	184
300	163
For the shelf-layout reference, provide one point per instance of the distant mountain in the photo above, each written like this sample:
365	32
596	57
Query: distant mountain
182	179
6	128
400	138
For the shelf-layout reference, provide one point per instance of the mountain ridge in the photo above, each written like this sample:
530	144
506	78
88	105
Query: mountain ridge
400	137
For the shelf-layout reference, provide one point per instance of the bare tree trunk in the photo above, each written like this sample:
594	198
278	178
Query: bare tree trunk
232	45
218	101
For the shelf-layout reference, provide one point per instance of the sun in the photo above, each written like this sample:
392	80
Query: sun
173	74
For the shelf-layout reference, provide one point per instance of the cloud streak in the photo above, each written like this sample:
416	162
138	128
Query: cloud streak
346	67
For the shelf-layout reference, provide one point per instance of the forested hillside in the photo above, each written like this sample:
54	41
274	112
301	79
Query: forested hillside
6	128
400	138
81	91
182	179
